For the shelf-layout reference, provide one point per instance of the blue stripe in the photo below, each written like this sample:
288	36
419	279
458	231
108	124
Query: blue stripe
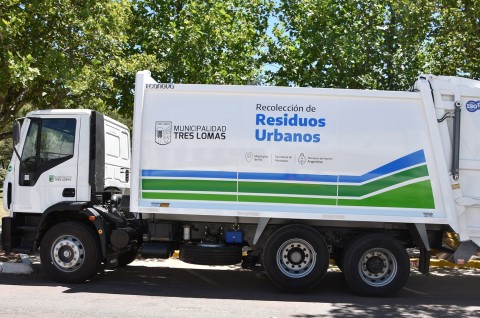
190	174
412	159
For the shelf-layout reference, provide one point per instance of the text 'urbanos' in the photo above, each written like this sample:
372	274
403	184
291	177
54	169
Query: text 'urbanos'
287	120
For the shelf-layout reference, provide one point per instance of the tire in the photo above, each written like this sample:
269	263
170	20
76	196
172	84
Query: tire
296	258
211	255
70	252
376	265
127	256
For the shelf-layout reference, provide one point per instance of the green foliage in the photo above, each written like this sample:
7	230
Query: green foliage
351	44
454	44
194	42
191	42
60	53
202	41
6	149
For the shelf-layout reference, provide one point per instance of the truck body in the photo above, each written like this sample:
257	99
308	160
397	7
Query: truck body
283	177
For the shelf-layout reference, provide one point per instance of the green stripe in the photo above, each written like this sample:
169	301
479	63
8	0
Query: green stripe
361	190
417	195
189	185
287	200
188	196
283	187
287	188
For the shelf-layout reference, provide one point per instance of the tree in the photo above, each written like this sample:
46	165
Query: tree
60	54
191	41
454	45
202	41
352	44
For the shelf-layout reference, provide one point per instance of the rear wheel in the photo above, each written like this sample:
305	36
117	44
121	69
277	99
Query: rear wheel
376	265
296	258
70	252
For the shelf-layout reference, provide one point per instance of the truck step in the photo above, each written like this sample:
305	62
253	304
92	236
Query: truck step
22	250
28	228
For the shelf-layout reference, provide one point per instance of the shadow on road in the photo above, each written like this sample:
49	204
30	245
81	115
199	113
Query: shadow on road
446	293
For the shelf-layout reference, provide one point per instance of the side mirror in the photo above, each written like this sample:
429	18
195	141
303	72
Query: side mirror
16	132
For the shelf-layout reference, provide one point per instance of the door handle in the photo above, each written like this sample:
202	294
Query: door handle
68	192
9	195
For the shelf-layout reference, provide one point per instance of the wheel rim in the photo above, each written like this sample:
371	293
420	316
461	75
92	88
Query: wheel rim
377	267
68	253
296	258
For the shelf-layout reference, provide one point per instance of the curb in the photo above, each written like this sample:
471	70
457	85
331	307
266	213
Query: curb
25	267
22	268
444	263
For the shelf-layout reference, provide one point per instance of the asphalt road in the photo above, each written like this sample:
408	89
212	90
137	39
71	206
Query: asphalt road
174	289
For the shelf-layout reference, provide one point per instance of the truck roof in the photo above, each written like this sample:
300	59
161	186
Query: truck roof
60	112
52	112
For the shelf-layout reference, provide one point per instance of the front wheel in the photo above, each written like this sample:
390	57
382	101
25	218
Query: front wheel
296	258
70	252
376	265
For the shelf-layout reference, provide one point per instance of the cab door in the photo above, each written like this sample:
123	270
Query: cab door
47	170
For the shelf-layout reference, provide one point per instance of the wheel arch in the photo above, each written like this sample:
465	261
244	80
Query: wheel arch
73	211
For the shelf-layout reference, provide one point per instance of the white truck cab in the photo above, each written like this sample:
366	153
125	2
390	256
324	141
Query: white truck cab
50	165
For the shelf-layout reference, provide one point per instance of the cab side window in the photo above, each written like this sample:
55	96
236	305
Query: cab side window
57	139
49	142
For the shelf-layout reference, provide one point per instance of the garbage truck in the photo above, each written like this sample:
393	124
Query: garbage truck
281	178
